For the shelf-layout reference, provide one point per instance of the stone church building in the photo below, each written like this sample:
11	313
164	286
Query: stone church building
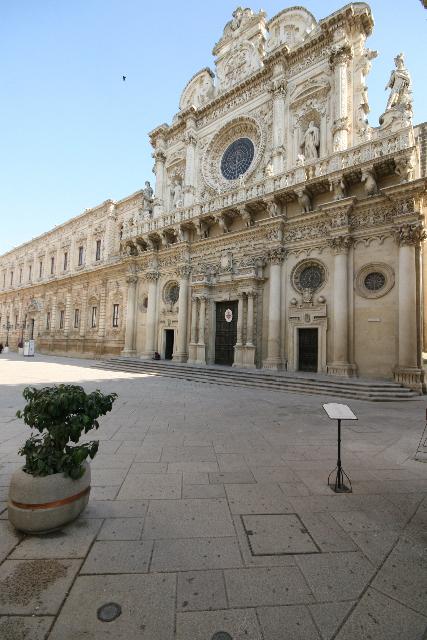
283	231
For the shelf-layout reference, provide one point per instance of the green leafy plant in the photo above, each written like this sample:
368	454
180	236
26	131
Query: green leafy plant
61	414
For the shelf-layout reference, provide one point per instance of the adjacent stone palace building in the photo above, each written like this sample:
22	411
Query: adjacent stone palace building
284	231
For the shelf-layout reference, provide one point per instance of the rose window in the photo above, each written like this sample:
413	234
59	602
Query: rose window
311	277
374	281
237	158
171	293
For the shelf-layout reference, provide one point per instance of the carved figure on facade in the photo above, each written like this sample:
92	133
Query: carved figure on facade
222	221
147	197
311	141
176	194
339	188
304	200
369	182
404	168
273	209
246	216
399	85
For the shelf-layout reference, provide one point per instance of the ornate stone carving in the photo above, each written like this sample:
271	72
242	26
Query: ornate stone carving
276	255
410	234
404	168
310	142
184	271
339	188
340	244
369	182
399	85
151	275
246	216
304	200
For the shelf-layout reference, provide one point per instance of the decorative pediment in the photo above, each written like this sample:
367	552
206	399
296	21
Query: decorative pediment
199	90
291	27
309	90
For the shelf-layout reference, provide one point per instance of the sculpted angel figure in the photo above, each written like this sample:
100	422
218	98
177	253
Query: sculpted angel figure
399	84
311	141
176	193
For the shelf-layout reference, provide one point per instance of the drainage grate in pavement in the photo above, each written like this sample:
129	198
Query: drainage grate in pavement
278	534
109	612
221	635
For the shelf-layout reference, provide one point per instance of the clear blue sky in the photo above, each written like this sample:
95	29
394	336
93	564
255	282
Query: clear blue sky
72	134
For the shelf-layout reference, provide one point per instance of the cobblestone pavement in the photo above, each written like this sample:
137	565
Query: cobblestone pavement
210	512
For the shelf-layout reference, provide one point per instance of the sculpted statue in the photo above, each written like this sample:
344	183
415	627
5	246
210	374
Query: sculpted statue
369	182
311	141
240	16
269	173
304	200
404	169
176	193
399	85
147	197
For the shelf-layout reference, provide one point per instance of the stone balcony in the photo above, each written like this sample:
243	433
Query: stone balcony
314	177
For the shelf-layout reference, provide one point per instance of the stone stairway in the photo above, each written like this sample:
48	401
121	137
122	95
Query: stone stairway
374	390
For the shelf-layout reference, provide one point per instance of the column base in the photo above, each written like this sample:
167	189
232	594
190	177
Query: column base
201	354
192	353
249	357
238	355
272	363
180	357
129	353
342	369
147	355
410	377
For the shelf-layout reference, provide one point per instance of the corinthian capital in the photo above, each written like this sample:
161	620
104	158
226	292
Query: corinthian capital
340	244
159	155
340	55
276	255
152	275
410	234
183	271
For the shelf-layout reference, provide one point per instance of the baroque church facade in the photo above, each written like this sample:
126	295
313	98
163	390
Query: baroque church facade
283	231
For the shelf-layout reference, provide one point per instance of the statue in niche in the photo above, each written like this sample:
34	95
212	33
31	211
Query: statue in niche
311	141
176	194
399	85
369	182
269	172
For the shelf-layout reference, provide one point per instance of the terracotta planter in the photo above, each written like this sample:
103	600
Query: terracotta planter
39	505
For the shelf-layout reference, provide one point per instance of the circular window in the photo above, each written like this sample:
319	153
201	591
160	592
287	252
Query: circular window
311	277
308	274
374	281
237	158
171	293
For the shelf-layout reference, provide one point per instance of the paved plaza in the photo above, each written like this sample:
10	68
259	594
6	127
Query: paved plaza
210	512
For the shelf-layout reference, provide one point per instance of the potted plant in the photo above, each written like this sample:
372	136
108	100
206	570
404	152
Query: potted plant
52	488
20	347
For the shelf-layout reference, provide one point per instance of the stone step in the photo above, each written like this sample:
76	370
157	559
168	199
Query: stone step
363	390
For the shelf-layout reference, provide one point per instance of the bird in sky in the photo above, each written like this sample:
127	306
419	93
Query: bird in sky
124	78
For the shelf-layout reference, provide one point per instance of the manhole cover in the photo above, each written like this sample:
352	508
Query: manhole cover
109	612
221	635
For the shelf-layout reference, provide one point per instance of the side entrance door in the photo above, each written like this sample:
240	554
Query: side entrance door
226	332
307	349
169	343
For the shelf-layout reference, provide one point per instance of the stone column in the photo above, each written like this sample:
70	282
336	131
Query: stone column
338	62
278	90
83	312
273	360
238	348
192	347
201	347
129	348
407	371
249	352
102	310
67	318
181	353
340	365
159	170
110	229
150	329
190	141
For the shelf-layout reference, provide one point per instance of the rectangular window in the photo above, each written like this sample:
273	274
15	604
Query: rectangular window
115	315
65	261
61	318
11	278
52	265
48	320
20	276
94	311
16	322
4	279
40	269
80	256
98	250
29	272
76	318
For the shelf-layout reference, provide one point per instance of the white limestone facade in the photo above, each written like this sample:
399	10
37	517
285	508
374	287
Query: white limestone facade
283	231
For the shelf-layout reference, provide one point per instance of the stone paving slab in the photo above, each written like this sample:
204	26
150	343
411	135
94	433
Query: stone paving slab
24	627
257	498
329	616
239	623
201	590
266	586
278	534
151	486
195	553
187	519
72	541
118	556
147	602
287	623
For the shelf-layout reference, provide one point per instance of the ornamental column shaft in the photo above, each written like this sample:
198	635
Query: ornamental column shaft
278	90
83	313
67	314
407	307
110	230
250	320
339	61
190	154
54	311
150	337
201	348
239	327
129	348
102	310
193	336
159	170
273	360
181	354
